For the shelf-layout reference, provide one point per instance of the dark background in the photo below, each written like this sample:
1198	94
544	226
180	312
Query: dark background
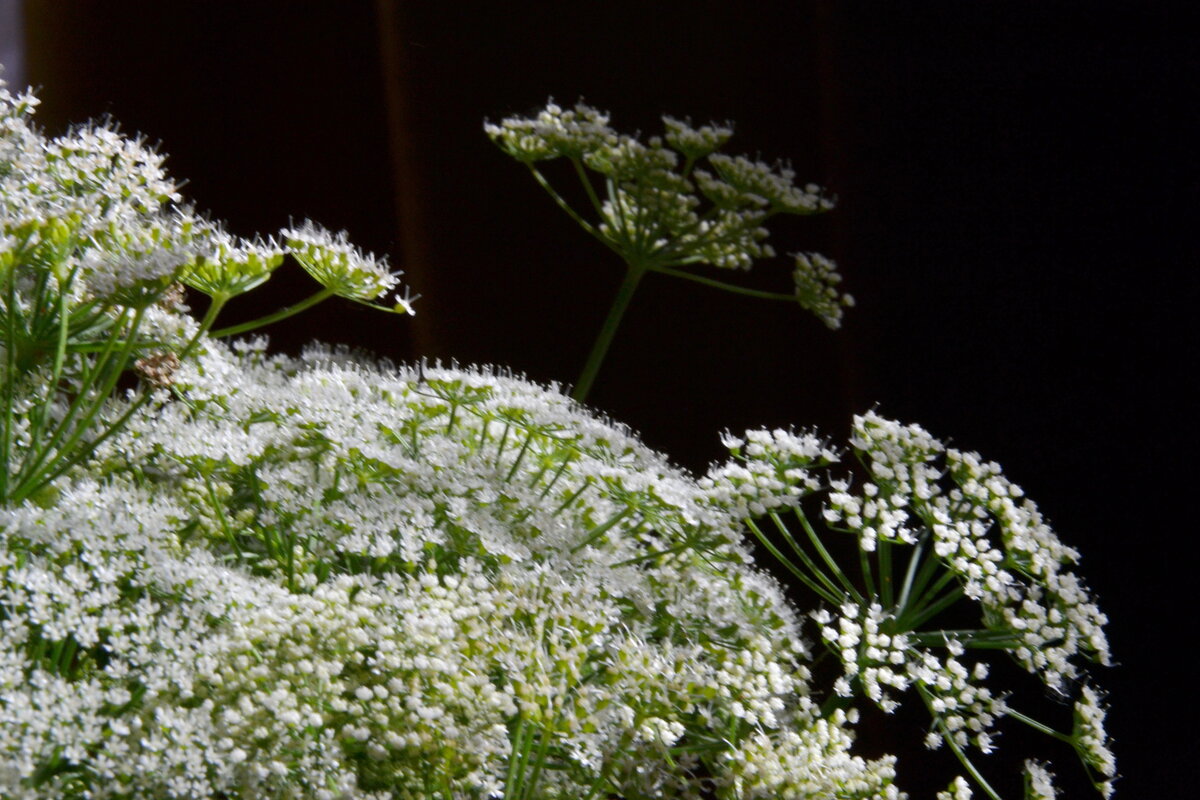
1015	183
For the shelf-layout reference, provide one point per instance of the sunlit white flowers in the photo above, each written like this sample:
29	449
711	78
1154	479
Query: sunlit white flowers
226	574
338	265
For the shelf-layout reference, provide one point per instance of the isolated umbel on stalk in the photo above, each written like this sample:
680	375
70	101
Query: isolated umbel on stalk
672	204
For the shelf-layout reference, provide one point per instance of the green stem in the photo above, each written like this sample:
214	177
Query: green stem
10	370
886	588
836	702
1038	726
828	592
948	738
729	287
558	199
825	556
968	637
283	313
601	529
910	575
838	592
33	473
915	609
679	548
516	760
633	276
64	463
932	610
529	785
864	563
520	455
587	185
210	316
920	584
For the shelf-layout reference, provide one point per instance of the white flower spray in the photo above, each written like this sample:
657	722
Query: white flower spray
323	577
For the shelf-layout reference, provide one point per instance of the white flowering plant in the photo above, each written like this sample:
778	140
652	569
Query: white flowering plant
231	574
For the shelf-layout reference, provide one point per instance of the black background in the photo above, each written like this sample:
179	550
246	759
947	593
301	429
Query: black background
1017	186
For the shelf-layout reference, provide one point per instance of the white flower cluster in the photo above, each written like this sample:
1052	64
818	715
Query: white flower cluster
553	132
942	526
1039	783
1021	578
320	578
768	470
97	209
797	767
816	278
325	578
233	265
695	143
886	663
877	659
988	536
959	789
962	707
91	202
760	184
1090	739
650	212
876	515
338	265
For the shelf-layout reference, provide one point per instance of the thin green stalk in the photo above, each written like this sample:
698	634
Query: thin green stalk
601	529
909	576
619	209
948	738
932	610
10	368
210	316
587	185
729	287
916	608
503	443
633	276
557	475
1038	726
840	591
834	702
219	508
975	638
283	313
65	464
539	761
572	497
864	564
516	760
825	556
679	548
38	419
828	593
920	587
30	469
558	199
520	456
883	551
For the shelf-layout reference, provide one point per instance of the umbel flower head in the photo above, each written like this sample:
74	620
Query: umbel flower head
327	577
322	577
338	265
673	202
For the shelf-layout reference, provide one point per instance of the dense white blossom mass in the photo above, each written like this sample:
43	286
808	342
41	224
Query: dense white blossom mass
325	577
